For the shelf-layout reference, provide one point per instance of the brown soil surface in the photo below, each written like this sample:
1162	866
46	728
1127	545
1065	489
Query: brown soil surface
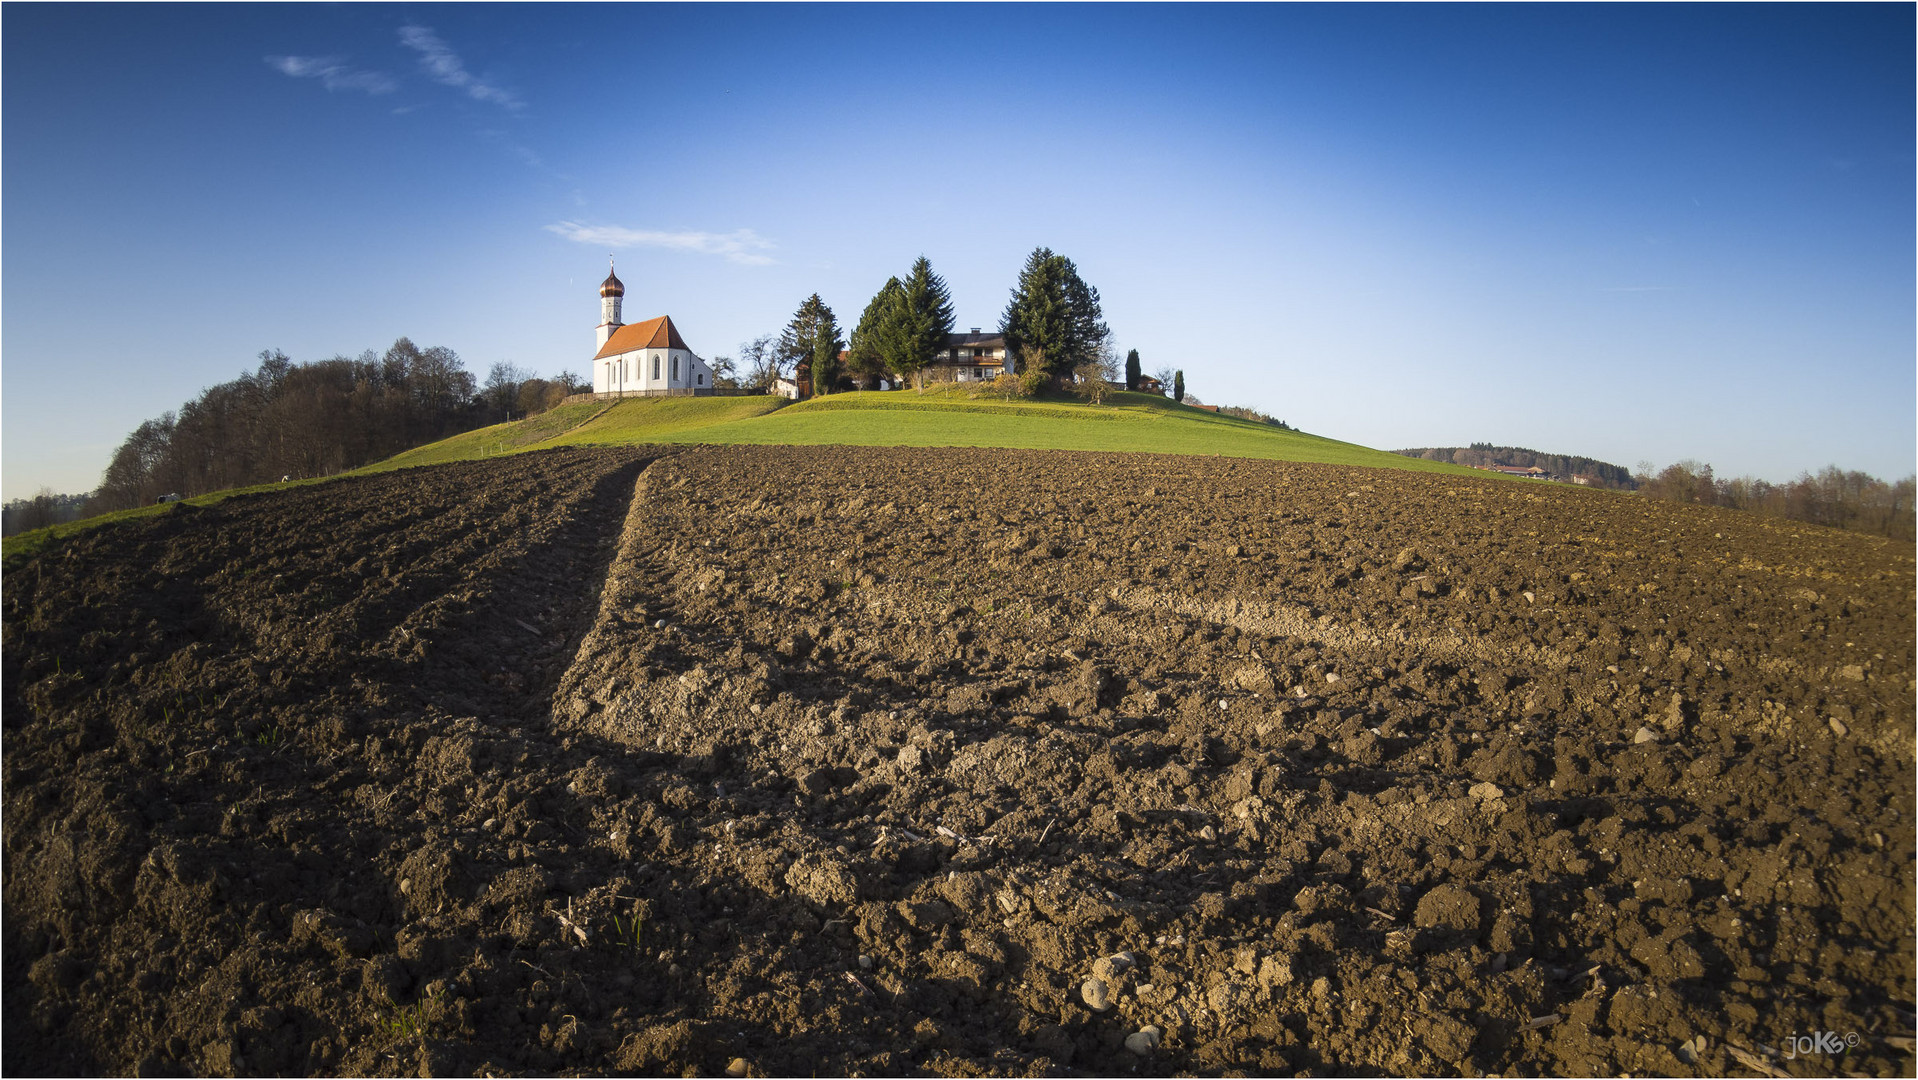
870	761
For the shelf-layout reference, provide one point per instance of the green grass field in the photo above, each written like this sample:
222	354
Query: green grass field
942	416
947	416
498	439
656	420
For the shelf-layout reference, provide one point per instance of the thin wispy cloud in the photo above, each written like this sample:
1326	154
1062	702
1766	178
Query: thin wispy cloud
334	74
512	146
742	246
444	65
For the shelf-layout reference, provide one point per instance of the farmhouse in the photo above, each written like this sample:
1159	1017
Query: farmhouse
646	359
970	357
973	357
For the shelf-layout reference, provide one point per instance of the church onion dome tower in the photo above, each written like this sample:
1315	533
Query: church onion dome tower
610	292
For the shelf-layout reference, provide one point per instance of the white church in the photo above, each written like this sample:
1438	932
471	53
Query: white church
646	359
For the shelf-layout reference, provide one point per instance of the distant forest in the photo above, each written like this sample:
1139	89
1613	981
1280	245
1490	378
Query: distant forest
1851	500
315	419
1484	455
46	508
1854	501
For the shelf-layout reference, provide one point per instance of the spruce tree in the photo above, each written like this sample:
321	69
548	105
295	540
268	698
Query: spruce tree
1178	386
1133	373
1053	322
1034	322
1089	333
877	345
796	341
925	318
826	345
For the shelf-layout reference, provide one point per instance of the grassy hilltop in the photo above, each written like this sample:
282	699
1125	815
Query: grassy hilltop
948	416
944	416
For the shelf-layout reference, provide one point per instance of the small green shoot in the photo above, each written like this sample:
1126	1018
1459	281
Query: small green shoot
408	1021
626	932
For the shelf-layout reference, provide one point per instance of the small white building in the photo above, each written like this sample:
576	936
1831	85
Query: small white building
647	359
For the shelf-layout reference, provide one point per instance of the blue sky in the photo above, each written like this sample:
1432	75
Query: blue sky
1635	232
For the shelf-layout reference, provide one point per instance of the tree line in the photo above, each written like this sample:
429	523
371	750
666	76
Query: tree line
314	419
47	507
1834	497
1255	416
1053	324
1485	455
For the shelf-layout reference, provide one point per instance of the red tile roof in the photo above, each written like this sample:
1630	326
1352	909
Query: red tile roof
659	333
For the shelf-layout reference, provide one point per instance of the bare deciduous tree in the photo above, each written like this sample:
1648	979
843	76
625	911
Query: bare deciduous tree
761	361
500	392
1092	381
315	419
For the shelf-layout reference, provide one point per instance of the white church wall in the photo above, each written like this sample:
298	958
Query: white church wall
634	372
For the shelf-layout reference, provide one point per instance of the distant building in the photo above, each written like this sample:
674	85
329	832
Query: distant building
971	357
647	359
1532	471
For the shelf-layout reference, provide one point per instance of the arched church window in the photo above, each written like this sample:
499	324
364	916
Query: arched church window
655	366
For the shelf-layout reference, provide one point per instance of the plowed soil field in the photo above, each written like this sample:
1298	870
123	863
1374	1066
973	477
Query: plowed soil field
796	761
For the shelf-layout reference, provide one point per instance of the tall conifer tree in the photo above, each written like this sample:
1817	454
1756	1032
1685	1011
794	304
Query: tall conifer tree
876	342
1133	373
798	342
1054	319
826	345
925	318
